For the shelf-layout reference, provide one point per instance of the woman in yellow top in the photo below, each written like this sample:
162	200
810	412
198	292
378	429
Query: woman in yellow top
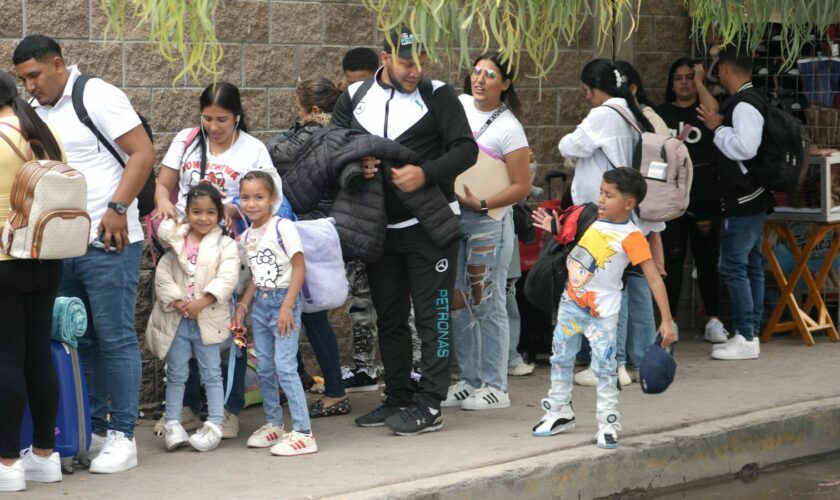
27	294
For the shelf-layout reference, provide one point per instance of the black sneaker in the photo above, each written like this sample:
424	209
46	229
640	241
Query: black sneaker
414	420
357	380
376	418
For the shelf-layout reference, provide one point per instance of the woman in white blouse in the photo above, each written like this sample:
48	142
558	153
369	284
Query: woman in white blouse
479	316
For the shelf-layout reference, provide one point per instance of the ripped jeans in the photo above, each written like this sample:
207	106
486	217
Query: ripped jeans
573	323
480	330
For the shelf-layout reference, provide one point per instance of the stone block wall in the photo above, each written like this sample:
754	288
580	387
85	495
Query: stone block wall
270	45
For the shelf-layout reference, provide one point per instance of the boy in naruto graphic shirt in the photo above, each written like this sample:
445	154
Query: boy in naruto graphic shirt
592	300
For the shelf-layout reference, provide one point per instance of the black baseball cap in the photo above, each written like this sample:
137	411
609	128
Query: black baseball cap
403	40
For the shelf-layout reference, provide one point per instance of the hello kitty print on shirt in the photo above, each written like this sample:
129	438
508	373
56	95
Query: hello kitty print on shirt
270	265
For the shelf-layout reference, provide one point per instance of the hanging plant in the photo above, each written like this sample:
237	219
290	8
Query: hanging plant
517	28
746	21
183	30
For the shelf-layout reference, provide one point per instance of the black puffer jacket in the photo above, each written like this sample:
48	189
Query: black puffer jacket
359	208
284	148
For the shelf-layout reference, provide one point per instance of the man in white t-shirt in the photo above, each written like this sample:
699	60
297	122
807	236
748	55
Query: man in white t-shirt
106	277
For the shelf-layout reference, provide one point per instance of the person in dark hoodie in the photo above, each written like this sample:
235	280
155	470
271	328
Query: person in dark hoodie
315	99
425	116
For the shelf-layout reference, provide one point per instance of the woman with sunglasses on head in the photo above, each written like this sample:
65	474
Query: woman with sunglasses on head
220	151
479	316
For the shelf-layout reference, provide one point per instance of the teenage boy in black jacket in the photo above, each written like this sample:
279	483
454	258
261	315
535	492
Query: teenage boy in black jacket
426	117
744	202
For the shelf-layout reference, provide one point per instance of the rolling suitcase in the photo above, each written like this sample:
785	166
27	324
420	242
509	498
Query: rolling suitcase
72	426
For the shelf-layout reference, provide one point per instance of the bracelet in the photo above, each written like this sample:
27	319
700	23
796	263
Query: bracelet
242	304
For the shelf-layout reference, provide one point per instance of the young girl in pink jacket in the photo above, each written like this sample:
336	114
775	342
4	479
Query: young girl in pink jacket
193	285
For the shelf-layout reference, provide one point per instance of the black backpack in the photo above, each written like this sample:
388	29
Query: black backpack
546	281
146	198
778	166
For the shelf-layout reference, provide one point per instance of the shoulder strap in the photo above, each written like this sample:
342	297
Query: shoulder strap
13	146
84	117
490	120
279	237
426	90
361	92
629	119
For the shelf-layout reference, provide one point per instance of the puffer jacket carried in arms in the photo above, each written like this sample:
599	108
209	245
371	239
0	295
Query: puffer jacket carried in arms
335	153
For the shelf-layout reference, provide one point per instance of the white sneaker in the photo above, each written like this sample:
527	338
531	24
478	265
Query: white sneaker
607	435
119	454
189	421
457	393
266	436
586	378
96	444
715	332
730	340
556	420
739	348
12	477
295	443
207	438
174	435
40	469
486	398
624	378
520	369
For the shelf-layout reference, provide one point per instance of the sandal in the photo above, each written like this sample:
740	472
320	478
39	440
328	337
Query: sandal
317	409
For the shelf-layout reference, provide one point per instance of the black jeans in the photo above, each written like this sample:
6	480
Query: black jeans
27	297
704	236
412	266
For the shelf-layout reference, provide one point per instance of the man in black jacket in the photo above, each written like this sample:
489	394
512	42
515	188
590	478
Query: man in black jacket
426	117
744	202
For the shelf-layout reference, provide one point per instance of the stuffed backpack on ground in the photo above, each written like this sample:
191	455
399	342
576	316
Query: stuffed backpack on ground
546	281
325	286
778	165
48	216
666	166
146	198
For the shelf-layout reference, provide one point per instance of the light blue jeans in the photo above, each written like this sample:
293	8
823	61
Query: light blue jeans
277	359
514	318
110	355
636	325
480	330
572	323
186	341
742	269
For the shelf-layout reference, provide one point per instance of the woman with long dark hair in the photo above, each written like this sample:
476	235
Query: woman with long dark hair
479	316
27	295
603	140
700	226
220	151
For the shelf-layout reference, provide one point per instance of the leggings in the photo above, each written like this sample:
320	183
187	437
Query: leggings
704	237
27	296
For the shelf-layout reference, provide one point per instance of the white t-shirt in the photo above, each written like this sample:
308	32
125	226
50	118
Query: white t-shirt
597	262
270	264
503	136
113	115
223	171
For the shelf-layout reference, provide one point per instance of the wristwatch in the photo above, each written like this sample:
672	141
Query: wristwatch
484	209
118	206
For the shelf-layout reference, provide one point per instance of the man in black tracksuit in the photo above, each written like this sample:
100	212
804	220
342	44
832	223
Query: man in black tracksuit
426	117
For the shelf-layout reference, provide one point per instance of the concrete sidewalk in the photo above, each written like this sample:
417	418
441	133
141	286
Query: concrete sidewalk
715	418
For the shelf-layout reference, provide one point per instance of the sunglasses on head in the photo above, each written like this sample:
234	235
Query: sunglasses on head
491	74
